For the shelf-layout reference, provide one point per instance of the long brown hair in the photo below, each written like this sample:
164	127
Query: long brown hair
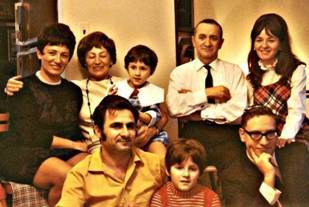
287	61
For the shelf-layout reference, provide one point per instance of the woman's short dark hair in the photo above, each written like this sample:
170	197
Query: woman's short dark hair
95	39
57	34
143	54
182	149
287	61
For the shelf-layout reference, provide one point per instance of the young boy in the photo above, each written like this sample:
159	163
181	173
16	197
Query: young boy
141	62
185	160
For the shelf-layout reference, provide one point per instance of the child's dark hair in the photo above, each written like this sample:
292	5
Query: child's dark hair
57	34
143	54
182	149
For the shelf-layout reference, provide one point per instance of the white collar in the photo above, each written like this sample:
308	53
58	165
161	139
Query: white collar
269	67
199	64
41	78
148	95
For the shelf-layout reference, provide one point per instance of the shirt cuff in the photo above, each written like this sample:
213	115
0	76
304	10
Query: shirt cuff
154	118
270	194
289	132
209	114
199	97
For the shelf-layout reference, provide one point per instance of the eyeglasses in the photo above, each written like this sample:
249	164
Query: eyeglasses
257	135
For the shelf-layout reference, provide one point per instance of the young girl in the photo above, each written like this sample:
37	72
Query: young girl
277	77
185	161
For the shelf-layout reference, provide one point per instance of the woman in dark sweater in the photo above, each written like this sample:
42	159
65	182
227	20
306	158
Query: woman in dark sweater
43	112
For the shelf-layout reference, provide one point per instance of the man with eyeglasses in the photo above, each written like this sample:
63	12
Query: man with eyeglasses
255	177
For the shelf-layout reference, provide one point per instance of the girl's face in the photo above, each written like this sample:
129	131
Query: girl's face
185	175
267	47
98	62
138	73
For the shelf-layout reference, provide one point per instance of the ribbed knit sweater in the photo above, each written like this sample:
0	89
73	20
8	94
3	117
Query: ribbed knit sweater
169	196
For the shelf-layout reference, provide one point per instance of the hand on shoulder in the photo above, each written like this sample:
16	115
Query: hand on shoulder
13	85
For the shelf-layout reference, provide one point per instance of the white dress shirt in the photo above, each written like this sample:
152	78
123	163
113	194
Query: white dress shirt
296	103
191	76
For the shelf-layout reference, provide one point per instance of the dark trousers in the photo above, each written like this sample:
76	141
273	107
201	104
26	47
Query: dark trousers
293	161
222	142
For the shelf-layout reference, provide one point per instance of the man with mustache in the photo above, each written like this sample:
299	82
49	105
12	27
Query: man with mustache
118	174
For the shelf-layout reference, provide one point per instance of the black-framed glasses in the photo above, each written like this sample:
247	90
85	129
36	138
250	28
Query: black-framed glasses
257	135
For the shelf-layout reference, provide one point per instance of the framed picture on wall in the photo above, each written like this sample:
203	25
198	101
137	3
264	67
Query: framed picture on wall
185	50
184	27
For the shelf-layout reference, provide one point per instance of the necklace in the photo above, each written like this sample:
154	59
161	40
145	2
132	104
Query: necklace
88	103
88	99
94	139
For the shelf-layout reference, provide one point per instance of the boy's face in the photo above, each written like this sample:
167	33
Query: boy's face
98	62
54	60
185	175
138	73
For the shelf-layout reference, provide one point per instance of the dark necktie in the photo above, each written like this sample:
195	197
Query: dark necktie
134	99
134	93
209	81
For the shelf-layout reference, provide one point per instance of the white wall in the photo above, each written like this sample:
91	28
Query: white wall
128	23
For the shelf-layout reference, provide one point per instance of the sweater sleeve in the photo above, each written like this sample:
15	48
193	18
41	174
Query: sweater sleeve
215	201
296	104
73	106
24	115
